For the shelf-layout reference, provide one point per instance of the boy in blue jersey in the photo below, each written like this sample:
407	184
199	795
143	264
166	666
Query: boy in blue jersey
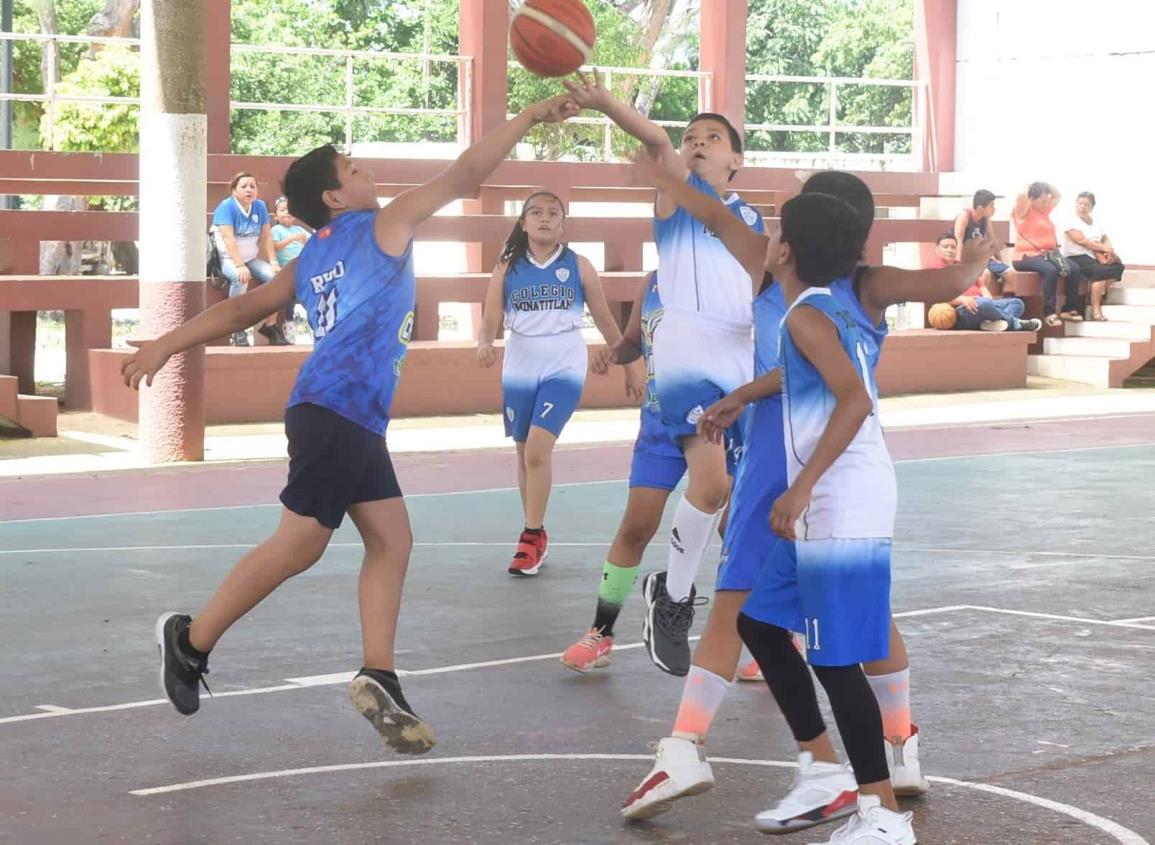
839	511
702	350
681	768
355	278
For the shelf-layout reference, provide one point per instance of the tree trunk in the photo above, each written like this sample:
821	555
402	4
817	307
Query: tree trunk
657	16
46	11
61	258
115	20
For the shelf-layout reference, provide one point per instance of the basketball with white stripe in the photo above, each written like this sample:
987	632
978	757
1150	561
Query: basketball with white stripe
552	37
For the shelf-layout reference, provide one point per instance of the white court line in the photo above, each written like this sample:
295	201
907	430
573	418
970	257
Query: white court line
307	682
52	708
1121	834
563	484
1138	619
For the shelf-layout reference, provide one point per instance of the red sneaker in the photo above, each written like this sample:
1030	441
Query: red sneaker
590	652
531	552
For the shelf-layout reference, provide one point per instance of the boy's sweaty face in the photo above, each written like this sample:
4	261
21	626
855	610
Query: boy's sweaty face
706	151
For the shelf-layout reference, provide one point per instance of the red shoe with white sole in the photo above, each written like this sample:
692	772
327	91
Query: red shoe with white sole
531	552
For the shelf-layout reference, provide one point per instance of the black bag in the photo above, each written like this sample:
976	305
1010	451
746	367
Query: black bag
1053	256
213	272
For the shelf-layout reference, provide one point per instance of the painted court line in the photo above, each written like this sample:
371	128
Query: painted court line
566	484
335	678
1138	619
1121	834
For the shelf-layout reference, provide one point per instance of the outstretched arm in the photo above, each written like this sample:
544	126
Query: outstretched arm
397	221
746	245
591	94
817	338
232	315
595	297
882	287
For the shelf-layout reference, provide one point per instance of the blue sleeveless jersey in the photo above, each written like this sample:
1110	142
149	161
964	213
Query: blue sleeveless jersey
360	306
544	299
872	334
653	436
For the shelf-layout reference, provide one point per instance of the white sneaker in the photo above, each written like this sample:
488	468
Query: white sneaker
680	770
873	824
993	325
822	792
905	771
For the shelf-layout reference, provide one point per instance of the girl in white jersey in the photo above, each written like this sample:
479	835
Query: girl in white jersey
541	287
703	348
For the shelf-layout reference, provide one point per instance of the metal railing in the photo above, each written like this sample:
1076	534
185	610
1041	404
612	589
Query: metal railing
705	96
832	128
348	107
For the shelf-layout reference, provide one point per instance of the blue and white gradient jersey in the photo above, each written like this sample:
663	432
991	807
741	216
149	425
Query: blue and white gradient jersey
544	299
360	306
857	496
699	275
653	436
873	334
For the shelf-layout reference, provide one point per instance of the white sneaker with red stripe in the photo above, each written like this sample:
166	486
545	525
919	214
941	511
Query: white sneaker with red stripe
822	792
680	770
905	771
873	824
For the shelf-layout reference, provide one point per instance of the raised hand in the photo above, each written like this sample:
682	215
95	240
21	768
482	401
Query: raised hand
589	93
979	250
554	110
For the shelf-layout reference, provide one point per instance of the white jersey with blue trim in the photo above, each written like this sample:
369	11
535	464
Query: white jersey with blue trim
546	298
698	273
857	496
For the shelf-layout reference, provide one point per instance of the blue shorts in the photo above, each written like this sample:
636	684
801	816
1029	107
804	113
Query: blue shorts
749	542
836	592
658	461
547	405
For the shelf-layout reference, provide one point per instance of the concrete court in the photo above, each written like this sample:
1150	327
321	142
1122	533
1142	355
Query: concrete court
1023	579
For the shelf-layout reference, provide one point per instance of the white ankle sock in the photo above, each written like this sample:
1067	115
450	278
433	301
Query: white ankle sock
688	541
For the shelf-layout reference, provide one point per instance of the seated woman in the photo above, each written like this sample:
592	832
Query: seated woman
1036	250
1087	246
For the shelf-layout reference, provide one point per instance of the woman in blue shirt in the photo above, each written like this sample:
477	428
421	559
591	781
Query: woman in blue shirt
242	235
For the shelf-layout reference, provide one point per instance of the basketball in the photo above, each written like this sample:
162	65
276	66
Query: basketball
552	37
942	316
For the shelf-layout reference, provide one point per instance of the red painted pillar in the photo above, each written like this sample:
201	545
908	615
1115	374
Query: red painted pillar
935	52
723	53
218	74
21	325
484	37
173	209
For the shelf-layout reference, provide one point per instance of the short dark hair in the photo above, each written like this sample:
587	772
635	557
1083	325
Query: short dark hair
305	184
1037	189
848	188
945	236
735	138
825	234
983	197
1087	195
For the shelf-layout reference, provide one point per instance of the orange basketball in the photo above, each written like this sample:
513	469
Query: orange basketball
552	37
942	316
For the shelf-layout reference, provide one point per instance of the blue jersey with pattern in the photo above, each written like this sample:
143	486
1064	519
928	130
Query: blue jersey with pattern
698	273
873	334
653	436
544	299
360	306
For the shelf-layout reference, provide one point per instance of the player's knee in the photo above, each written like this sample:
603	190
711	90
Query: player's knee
537	456
709	494
636	532
303	556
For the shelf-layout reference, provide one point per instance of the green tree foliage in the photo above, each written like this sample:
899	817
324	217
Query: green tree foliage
96	127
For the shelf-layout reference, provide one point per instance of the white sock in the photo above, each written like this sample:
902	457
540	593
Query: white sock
688	541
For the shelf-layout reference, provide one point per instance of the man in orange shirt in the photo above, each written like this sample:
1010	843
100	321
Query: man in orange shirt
977	310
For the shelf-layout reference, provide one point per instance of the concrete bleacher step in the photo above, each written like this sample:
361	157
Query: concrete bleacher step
1086	369
1131	296
35	415
1139	278
1096	347
1123	331
1130	313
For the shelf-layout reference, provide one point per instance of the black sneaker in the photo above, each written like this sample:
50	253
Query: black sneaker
275	336
240	339
666	625
377	696
181	675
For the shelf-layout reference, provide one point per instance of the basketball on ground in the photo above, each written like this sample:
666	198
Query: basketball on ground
942	316
552	37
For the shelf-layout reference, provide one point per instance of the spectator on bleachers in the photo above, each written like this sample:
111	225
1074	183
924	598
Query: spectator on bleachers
976	308
1037	251
242	235
289	236
975	222
1087	246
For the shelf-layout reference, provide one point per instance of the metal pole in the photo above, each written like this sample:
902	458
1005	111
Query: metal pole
6	201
